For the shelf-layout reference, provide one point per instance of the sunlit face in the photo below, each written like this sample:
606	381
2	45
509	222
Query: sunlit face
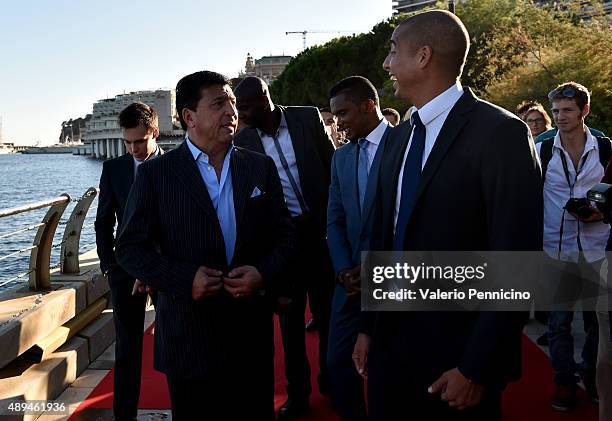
350	117
567	114
140	142
536	122
328	118
402	64
215	118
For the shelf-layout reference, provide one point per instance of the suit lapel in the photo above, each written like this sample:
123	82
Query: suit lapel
252	141
455	121
189	174
349	174
242	185
128	169
393	156
373	179
296	131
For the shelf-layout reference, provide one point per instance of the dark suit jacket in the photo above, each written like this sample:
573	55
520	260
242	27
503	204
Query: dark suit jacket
481	189
115	183
348	231
313	154
171	228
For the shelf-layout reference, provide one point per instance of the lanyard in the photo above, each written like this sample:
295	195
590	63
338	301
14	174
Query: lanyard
571	187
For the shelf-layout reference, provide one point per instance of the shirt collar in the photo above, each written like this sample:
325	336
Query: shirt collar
198	155
153	155
376	135
443	102
283	124
591	142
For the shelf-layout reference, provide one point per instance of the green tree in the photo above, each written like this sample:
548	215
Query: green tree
518	51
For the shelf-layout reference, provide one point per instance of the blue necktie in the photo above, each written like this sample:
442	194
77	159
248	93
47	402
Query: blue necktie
362	170
410	180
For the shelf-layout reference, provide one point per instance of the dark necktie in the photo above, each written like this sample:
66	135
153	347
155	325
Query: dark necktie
362	170
410	180
285	164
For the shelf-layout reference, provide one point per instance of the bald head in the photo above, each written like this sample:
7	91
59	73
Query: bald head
253	102
443	32
251	87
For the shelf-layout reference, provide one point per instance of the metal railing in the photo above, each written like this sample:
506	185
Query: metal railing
40	251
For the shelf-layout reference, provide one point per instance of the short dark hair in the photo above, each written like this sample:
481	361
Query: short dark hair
393	112
138	113
578	92
357	89
444	32
189	90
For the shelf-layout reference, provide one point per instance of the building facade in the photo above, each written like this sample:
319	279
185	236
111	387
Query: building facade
103	135
268	68
408	6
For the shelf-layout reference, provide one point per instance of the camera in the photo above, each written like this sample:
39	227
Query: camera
601	195
581	208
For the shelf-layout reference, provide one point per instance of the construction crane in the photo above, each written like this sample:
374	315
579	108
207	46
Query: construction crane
313	32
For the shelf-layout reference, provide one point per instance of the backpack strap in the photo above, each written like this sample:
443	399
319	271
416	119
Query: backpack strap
546	152
605	150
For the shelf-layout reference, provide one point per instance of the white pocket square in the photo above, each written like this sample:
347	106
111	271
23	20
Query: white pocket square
256	192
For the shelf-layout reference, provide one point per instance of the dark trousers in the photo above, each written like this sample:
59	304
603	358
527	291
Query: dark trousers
396	394
577	282
561	343
223	397
348	395
312	274
128	316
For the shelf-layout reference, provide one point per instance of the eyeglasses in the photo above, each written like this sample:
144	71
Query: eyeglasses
567	92
538	120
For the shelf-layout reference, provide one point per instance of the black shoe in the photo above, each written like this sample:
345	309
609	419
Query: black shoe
543	339
311	326
564	398
588	379
292	409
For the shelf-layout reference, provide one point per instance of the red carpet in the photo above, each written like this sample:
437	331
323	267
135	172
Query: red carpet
526	400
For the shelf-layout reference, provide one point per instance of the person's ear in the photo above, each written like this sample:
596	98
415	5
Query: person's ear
367	106
188	117
155	132
586	110
424	56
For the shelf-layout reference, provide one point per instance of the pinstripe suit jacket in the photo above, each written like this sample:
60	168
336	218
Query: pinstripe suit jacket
171	228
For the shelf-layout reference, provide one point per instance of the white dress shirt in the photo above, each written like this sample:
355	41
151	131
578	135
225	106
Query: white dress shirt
137	162
433	115
284	139
593	235
373	141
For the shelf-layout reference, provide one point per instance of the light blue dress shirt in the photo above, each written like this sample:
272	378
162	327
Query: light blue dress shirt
221	192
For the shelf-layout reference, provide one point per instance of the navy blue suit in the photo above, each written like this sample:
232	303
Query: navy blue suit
348	232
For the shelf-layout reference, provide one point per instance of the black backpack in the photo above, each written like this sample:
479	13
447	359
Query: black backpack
546	151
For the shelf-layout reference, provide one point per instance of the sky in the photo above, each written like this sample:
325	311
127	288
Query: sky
58	57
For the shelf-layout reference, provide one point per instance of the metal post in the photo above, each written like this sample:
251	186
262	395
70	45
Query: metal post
40	258
451	6
69	260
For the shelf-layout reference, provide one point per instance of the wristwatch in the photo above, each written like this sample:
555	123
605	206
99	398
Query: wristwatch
340	278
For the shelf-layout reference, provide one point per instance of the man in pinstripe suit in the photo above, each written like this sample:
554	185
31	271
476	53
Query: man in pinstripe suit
206	225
